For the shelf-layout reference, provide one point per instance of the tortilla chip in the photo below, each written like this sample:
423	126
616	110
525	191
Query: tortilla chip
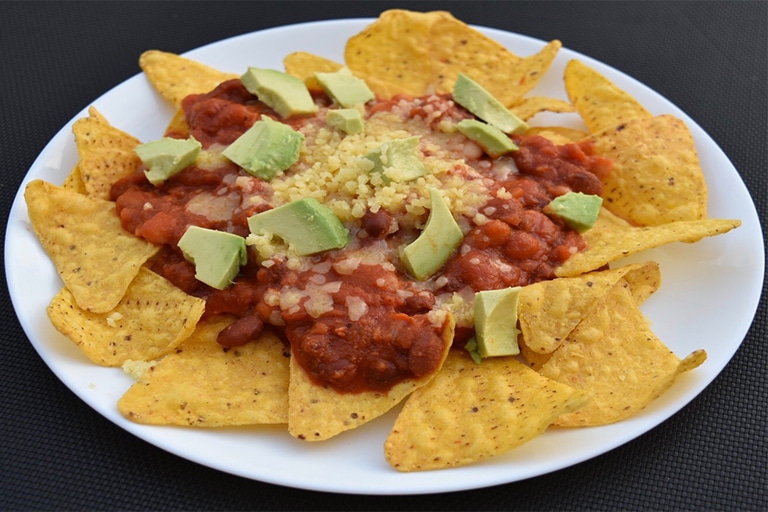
525	75
549	310
614	355
175	77
557	134
106	153
612	238
73	181
304	65
455	47
601	104
95	257
470	412
529	107
644	279
656	175
178	127
415	53
534	360
151	320
502	73
390	54
203	384
316	413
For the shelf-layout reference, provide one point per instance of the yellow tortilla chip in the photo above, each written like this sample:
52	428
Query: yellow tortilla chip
316	413
390	54
470	412
529	107
178	127
73	181
106	153
549	310
614	355
175	77
95	257
526	74
416	53
557	134
455	47
656	175
601	104
304	65
203	384
152	319
612	238
502	73
533	359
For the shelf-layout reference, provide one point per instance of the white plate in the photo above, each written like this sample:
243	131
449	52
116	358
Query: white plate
708	299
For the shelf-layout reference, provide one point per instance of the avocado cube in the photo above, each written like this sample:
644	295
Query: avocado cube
345	88
348	120
435	244
398	160
473	97
285	94
496	322
266	148
167	156
493	141
578	210
306	225
217	255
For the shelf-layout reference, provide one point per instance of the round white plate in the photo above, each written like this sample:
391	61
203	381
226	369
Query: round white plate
708	299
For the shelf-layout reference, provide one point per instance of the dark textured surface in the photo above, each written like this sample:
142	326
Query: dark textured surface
709	58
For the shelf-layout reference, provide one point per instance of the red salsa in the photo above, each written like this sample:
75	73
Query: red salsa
355	320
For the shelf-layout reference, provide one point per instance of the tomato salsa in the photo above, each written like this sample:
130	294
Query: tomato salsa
355	320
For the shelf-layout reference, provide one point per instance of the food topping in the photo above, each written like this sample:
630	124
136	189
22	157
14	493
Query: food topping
408	212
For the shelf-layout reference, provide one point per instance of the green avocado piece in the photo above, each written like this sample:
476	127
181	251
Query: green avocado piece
217	255
166	157
348	120
306	225
439	238
266	148
578	210
472	348
496	322
398	160
473	97
285	94
491	139
345	88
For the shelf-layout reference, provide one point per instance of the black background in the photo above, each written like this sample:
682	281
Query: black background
709	58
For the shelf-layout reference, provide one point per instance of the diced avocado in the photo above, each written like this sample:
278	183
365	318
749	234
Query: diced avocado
285	94
306	225
578	210
472	348
439	238
217	255
491	139
496	322
348	120
345	88
473	97
166	157
266	148
398	160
